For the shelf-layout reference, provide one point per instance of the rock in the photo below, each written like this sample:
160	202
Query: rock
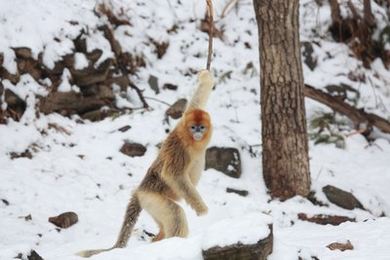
99	114
6	202
56	72
25	154
65	219
90	75
122	81
14	103
153	83
30	66
340	246
341	198
99	91
68	103
325	219
170	86
226	160
4	74
58	101
243	193
80	43
124	128
133	149
176	110
94	55
27	217
23	53
307	53
68	60
34	256
259	251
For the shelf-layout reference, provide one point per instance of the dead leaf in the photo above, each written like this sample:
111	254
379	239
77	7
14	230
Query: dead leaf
340	246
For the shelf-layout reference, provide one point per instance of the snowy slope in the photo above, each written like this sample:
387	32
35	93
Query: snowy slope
82	170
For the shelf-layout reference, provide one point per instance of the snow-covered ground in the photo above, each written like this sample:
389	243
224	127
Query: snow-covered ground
82	170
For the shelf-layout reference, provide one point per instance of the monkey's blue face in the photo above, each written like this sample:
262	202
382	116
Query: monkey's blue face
197	131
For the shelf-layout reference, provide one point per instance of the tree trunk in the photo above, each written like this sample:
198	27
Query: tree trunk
367	12
284	135
335	11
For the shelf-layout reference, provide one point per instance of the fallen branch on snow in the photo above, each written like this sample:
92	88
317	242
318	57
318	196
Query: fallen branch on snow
357	116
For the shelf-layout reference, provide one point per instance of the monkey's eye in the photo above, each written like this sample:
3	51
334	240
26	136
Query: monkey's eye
193	128
202	128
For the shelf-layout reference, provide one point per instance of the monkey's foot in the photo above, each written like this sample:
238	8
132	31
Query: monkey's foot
159	236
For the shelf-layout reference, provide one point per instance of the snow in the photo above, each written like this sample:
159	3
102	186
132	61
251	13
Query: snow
80	61
248	229
65	85
81	169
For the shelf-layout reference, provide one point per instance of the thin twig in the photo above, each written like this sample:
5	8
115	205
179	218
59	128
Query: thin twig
140	95
228	7
158	100
211	32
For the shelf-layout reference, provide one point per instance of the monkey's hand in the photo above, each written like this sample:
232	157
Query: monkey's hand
201	209
205	77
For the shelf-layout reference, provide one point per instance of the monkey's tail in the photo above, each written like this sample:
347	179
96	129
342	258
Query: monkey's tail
132	212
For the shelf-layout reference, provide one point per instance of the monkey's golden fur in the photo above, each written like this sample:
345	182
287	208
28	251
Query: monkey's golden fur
173	175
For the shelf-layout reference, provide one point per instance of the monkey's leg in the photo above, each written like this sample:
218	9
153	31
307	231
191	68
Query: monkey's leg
165	211
175	225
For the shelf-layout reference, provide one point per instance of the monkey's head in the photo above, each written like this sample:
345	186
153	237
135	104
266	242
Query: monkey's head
197	123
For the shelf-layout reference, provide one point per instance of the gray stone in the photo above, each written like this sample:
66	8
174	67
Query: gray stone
23	52
177	109
133	149
153	83
341	198
243	193
226	160
65	219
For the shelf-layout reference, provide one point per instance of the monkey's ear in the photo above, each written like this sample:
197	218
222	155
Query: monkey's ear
206	77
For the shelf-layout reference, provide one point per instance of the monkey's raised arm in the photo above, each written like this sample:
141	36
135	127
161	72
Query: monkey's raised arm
202	92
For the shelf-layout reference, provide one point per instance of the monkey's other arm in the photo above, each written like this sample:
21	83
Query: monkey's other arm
178	179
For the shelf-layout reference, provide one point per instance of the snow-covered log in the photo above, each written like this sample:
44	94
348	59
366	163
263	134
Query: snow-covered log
249	237
259	250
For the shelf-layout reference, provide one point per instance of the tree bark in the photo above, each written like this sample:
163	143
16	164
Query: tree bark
335	11
284	136
367	11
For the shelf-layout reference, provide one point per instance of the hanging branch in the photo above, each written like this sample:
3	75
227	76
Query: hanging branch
211	32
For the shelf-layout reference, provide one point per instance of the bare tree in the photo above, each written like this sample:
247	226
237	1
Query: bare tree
284	135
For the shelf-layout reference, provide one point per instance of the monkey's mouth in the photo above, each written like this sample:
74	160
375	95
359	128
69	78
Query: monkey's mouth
197	136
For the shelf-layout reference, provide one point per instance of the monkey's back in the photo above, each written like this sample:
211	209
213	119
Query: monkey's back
172	149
